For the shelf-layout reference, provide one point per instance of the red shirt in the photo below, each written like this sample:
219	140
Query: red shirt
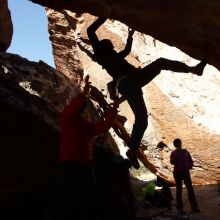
77	135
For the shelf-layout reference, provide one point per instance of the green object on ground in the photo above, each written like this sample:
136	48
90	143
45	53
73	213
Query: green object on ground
149	189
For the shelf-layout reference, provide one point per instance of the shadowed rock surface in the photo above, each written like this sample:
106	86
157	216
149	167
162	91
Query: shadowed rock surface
29	127
31	97
192	26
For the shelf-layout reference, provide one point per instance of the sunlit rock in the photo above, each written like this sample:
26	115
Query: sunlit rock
179	105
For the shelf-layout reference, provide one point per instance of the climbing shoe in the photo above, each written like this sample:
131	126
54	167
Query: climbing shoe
198	69
132	156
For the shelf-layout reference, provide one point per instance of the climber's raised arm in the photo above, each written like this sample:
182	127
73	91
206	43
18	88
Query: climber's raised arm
92	29
128	46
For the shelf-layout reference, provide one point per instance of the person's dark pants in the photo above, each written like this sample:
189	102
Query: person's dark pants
161	199
131	89
149	72
179	178
75	194
136	101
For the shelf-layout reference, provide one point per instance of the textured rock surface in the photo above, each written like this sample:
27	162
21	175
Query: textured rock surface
59	30
31	97
192	26
38	79
179	105
32	94
6	27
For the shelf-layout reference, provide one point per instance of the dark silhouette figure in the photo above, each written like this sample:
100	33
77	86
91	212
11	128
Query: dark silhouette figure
130	80
162	197
75	192
113	177
165	190
182	161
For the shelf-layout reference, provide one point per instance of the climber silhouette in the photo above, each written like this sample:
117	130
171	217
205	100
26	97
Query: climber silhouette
129	80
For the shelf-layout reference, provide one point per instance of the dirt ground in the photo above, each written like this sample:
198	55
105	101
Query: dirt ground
208	199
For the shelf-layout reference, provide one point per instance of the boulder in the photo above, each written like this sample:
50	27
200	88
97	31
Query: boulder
31	97
192	26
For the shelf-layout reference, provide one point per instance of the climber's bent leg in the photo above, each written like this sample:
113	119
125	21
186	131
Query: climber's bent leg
149	72
139	109
137	104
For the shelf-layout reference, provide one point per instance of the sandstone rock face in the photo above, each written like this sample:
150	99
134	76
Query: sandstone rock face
39	79
6	27
179	105
61	32
192	26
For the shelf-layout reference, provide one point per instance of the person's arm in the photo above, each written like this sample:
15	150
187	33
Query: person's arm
173	157
76	104
92	29
191	163
73	108
128	46
104	125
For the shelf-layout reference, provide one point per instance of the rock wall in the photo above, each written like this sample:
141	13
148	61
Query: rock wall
192	26
179	105
32	95
29	125
6	27
62	34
